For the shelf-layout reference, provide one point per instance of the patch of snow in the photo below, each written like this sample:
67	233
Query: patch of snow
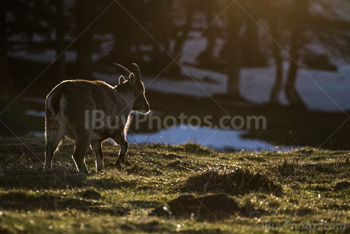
213	138
47	56
38	38
148	48
42	56
36	134
35	113
193	48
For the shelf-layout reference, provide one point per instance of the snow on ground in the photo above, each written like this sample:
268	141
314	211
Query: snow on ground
213	138
42	56
48	56
35	113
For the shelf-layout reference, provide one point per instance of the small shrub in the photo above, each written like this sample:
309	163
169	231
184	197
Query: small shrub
342	185
90	194
239	181
195	148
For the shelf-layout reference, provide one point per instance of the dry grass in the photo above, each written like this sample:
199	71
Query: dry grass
302	187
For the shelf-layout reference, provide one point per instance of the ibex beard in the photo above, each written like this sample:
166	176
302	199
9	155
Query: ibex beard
66	107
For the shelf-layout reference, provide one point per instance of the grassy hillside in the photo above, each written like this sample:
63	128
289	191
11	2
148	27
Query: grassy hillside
302	190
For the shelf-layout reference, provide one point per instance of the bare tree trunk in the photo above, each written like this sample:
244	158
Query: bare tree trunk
162	28
181	39
84	42
295	44
290	89
250	45
123	38
233	53
206	57
125	35
277	86
60	63
276	52
3	44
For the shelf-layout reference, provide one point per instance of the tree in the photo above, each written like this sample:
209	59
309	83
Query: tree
233	51
251	54
127	34
181	37
84	42
3	44
275	25
162	27
297	19
60	62
165	27
209	8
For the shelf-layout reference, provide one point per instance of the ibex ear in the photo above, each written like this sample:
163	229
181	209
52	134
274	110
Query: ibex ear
121	79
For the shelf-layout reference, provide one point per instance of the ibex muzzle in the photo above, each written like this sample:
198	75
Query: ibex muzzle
70	109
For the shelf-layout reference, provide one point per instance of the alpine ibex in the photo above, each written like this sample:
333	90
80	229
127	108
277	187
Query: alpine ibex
74	106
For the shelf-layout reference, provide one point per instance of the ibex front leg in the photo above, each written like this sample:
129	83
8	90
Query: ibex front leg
121	140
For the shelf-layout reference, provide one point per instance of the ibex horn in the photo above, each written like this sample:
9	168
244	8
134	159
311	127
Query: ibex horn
137	71
124	69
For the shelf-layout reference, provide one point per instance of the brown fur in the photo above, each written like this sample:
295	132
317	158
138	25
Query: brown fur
66	107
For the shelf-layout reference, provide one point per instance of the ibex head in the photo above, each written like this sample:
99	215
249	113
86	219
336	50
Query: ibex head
135	85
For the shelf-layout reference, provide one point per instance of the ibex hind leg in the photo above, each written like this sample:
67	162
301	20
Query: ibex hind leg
53	137
96	146
79	154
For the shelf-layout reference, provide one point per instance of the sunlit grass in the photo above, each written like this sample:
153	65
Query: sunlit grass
300	187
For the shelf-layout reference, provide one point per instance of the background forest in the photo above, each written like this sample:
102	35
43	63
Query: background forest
286	60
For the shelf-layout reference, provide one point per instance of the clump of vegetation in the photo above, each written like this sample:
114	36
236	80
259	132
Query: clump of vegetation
342	185
140	170
195	148
288	167
207	206
238	181
90	193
